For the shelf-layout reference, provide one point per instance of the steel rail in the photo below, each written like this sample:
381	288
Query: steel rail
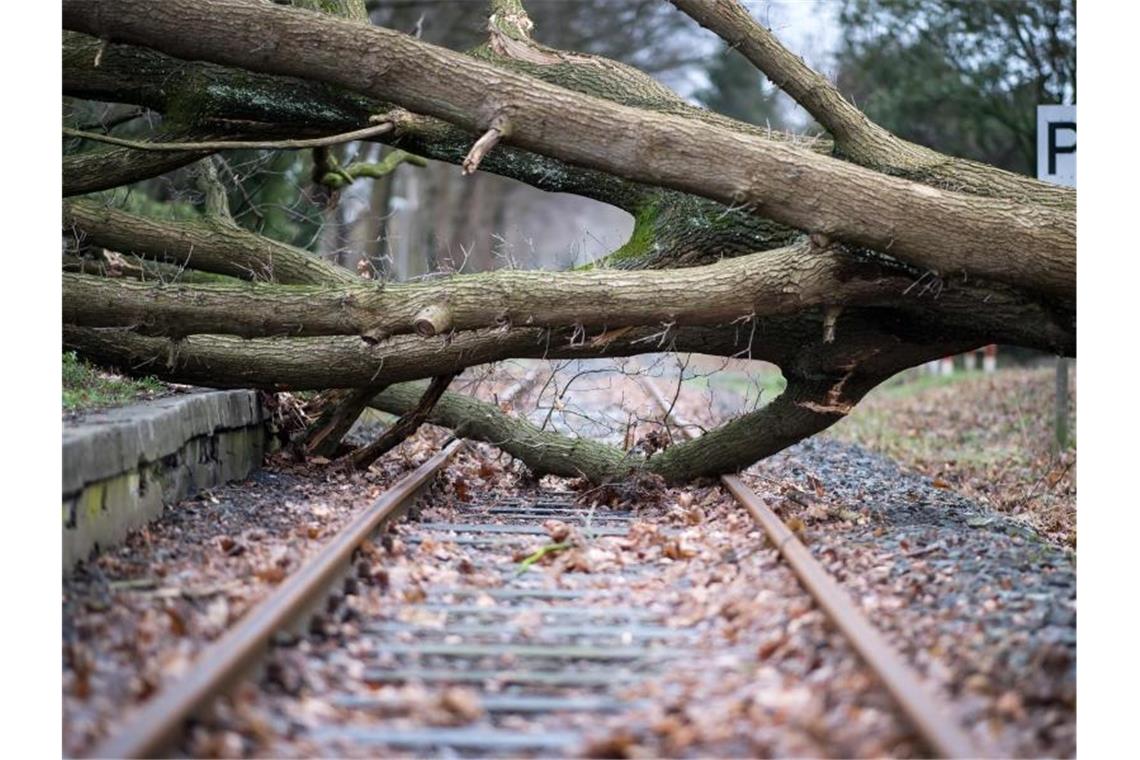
934	719
159	722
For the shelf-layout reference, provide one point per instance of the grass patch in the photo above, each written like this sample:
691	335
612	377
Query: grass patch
86	387
768	384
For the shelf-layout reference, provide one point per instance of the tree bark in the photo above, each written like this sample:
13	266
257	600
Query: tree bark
104	169
944	231
775	282
208	244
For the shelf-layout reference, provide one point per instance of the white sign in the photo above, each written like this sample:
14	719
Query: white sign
1057	144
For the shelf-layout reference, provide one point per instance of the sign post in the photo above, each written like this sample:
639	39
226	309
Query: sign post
1057	163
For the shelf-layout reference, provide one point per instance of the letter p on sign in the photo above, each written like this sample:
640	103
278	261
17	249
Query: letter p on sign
1057	144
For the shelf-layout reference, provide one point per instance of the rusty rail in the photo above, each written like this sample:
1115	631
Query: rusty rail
934	719
159	722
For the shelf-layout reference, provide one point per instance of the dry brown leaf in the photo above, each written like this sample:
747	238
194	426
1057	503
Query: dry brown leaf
461	703
557	530
271	574
177	623
676	549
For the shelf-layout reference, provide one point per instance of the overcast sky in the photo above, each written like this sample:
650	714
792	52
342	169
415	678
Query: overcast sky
809	28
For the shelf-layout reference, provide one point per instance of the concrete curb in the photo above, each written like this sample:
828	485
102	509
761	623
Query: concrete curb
123	466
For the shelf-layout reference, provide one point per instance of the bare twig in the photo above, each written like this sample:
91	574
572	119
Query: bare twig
500	128
315	142
103	43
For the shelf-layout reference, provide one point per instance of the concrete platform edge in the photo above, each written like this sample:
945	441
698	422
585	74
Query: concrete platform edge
122	467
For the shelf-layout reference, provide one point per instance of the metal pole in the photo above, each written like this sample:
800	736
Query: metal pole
1061	418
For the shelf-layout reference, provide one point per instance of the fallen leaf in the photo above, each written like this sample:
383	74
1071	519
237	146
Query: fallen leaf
461	703
558	530
272	574
675	549
177	624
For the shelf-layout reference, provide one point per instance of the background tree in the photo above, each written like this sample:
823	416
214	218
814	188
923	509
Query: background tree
965	76
737	89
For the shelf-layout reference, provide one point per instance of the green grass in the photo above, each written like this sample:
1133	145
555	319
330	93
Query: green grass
771	384
913	382
85	387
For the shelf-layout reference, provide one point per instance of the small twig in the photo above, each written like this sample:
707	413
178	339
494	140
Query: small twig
830	317
500	128
316	142
925	550
103	43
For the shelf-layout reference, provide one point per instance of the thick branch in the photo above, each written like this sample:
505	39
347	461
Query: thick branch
944	231
782	281
335	362
856	136
339	410
203	244
204	96
543	451
106	169
802	410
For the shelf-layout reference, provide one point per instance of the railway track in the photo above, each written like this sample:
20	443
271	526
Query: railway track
935	721
518	663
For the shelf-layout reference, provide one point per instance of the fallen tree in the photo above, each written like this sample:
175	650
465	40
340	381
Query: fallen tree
843	268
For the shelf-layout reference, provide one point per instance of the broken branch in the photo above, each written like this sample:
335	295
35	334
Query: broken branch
499	129
408	424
